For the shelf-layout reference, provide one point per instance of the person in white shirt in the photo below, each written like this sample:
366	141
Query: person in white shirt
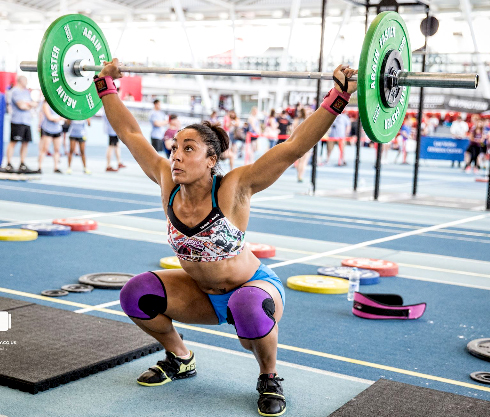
459	130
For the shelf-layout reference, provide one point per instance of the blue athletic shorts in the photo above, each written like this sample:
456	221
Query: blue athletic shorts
220	301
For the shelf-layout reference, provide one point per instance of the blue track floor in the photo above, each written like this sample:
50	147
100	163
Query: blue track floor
447	268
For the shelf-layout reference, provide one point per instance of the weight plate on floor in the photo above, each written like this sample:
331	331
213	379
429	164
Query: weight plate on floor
480	348
46	229
387	32
368	277
77	225
109	280
54	293
383	268
68	39
17	235
171	262
262	251
483	377
318	284
77	288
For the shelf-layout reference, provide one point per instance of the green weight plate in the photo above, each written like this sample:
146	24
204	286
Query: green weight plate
387	32
68	39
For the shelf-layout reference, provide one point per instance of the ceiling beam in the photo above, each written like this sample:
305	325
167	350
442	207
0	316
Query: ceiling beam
221	3
13	6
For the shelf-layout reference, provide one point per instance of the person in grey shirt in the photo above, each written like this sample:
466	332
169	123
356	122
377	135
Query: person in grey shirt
51	129
20	125
158	120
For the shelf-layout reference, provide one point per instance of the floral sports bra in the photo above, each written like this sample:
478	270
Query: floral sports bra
214	239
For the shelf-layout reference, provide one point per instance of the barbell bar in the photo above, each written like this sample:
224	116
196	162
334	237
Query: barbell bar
403	78
73	49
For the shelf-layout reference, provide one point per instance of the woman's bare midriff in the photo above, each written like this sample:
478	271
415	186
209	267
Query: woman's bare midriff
223	276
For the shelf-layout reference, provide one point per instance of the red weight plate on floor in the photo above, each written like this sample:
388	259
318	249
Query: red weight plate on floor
383	268
481	179
77	225
262	251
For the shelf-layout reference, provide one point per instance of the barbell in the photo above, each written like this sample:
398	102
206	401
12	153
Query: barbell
73	49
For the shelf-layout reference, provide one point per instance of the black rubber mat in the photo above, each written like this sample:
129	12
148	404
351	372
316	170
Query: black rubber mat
394	399
53	346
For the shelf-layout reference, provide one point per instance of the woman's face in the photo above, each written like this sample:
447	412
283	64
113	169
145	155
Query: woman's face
189	162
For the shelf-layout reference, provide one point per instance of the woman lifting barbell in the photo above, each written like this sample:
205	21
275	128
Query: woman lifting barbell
221	280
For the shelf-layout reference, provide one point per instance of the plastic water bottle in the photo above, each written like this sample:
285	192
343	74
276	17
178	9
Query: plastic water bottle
354	281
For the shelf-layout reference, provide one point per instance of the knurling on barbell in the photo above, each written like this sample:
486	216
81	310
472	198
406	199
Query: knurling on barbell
73	50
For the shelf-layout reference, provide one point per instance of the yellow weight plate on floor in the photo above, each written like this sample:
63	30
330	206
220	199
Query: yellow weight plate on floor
17	234
318	284
172	262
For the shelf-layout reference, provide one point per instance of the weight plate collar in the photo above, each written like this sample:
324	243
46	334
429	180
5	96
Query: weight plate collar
73	101
387	32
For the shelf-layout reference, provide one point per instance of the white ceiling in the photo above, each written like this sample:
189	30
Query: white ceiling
31	11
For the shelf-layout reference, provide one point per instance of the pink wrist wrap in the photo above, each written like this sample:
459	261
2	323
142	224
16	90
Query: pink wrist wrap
105	85
335	102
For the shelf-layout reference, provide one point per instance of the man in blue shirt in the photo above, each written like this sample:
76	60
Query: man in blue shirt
20	126
158	119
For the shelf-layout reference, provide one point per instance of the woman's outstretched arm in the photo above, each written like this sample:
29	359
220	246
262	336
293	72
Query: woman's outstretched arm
270	166
128	130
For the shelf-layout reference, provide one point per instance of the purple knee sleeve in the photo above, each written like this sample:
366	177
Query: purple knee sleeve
251	310
143	296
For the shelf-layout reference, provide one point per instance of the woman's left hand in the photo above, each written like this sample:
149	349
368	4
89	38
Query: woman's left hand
343	72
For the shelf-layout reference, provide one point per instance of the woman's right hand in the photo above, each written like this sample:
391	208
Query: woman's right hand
111	69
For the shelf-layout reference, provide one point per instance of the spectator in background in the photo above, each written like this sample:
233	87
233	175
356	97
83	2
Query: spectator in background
484	155
65	127
173	128
459	130
301	162
214	117
313	105
78	134
113	147
20	125
254	127
271	130
51	130
432	124
234	134
402	139
158	120
475	147
340	129
283	122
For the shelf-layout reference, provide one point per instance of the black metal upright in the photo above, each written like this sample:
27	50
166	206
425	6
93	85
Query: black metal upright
318	97
488	190
419	116
359	127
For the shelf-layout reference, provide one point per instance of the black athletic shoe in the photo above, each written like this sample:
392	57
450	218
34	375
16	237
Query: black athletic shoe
24	170
9	169
170	369
271	400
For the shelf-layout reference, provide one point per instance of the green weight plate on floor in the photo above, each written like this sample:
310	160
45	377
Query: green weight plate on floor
386	33
68	39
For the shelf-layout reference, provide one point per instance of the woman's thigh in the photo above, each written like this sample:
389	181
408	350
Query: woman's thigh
186	302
